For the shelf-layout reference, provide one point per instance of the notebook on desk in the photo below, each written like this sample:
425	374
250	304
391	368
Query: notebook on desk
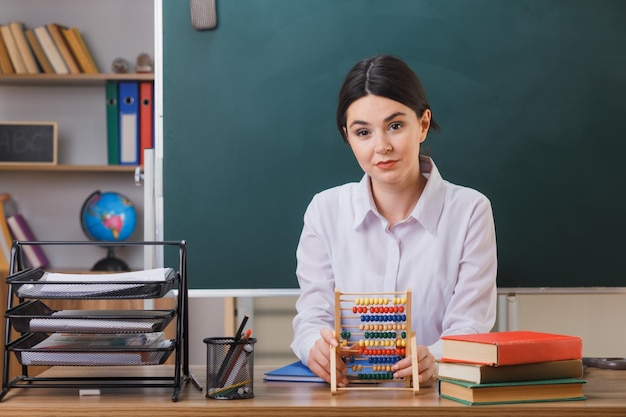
294	372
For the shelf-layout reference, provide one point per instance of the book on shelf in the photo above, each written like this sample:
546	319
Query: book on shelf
56	32
51	50
482	374
79	49
510	348
566	389
17	29
14	53
7	208
5	60
82	42
40	55
21	230
294	372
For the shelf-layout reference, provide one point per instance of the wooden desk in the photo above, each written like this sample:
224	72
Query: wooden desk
605	391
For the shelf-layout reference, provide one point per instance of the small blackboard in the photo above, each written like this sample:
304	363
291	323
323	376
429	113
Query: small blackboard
28	142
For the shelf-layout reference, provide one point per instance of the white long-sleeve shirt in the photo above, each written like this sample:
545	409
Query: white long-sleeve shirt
444	251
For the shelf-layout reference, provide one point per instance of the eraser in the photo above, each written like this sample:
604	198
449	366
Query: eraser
84	392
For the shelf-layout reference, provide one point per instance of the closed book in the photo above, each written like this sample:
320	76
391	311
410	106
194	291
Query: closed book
294	372
56	32
92	63
128	95
6	240
84	61
14	53
567	389
40	55
483	374
4	266
510	348
17	29
113	122
146	119
22	231
51	50
5	60
5	244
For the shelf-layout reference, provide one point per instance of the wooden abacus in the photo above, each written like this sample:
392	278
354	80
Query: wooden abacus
385	338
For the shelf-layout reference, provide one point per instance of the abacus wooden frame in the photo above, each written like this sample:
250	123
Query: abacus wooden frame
411	382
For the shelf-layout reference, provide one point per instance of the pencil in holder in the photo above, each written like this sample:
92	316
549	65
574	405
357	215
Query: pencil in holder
230	368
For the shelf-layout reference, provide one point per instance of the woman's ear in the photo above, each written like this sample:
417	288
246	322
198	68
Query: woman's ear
425	123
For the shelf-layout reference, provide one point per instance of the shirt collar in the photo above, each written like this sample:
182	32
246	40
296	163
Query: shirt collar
427	210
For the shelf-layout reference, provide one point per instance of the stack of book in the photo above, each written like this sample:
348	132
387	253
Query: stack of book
511	367
48	49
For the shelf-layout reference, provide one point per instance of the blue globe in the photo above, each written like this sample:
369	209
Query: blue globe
108	217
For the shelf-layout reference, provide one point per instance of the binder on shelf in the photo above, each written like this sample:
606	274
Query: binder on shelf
22	231
14	53
51	50
5	61
113	123
40	55
128	96
17	29
146	119
56	32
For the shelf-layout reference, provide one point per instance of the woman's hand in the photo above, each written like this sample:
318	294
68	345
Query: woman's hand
319	358
425	365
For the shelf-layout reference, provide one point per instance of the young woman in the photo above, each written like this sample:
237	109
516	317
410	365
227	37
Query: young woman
401	227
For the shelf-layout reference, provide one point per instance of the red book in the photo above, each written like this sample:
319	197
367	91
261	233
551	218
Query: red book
21	231
511	348
146	119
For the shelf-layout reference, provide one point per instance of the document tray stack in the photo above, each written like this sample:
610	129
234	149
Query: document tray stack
78	337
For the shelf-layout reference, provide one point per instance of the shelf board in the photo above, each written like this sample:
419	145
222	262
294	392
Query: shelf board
68	168
71	79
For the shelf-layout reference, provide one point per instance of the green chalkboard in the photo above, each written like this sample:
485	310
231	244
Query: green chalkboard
530	96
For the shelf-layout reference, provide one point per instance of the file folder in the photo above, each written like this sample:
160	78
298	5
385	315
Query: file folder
113	123
129	122
146	118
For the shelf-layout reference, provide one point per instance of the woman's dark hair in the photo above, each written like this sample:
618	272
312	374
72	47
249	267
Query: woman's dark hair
385	76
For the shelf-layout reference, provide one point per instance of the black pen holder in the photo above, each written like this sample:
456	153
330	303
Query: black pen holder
230	368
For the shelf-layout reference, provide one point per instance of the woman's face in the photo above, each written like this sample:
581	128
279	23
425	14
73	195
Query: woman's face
385	137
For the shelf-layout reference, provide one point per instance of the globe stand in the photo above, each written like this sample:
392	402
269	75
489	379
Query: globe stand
110	263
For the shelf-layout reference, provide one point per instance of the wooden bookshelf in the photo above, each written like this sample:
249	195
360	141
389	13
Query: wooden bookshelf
71	79
68	168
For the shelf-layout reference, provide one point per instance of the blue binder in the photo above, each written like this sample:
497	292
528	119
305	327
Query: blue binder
129	122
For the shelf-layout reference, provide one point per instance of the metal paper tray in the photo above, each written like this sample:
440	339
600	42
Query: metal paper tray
35	316
29	284
27	355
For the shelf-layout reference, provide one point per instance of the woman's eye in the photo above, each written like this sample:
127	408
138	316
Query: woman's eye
362	132
395	126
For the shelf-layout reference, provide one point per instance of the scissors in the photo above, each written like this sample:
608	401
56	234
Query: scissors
605	363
